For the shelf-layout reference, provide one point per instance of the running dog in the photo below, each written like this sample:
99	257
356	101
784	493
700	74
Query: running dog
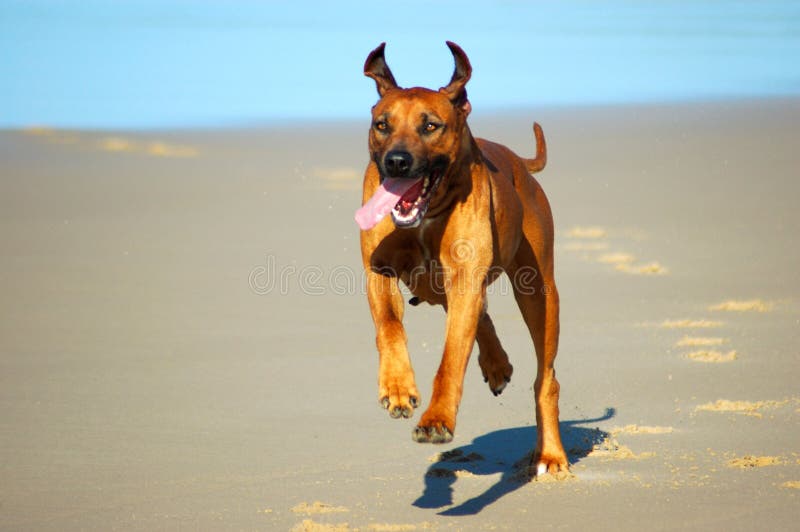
462	210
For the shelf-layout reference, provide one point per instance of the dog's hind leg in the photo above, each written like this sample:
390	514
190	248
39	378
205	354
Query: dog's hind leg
537	297
493	359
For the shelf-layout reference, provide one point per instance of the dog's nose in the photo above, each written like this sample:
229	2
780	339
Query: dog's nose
398	163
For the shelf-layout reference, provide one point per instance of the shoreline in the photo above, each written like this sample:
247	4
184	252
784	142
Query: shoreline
301	124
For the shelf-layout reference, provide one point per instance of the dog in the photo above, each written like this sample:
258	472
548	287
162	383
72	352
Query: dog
463	210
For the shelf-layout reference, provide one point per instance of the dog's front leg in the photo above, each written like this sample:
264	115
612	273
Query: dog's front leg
465	305
397	390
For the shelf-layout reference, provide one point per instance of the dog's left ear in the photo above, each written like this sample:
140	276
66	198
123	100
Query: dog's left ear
376	68
455	89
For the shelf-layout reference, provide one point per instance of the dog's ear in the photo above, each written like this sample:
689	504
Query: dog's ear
455	89
376	68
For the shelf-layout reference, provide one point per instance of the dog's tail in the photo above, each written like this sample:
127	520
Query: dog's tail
537	164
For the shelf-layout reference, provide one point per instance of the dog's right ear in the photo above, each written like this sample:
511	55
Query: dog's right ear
376	68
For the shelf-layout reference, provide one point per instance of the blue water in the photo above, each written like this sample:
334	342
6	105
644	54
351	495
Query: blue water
172	63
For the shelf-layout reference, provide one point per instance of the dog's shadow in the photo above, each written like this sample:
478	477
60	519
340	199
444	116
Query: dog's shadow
506	451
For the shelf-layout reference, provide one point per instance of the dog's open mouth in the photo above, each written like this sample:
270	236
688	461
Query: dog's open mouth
413	204
406	198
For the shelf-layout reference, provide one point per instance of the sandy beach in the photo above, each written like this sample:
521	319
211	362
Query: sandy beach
185	343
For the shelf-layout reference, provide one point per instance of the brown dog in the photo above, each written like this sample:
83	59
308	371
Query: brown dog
463	210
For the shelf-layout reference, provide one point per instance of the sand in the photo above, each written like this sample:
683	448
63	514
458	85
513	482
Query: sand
185	344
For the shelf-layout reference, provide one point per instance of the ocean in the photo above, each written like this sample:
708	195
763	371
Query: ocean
179	64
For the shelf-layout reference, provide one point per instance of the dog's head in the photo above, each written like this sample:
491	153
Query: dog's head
416	133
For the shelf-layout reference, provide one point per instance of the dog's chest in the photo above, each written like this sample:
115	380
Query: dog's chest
425	247
418	254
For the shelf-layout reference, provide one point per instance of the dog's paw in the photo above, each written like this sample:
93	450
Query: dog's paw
400	409
542	464
496	372
399	399
433	430
432	435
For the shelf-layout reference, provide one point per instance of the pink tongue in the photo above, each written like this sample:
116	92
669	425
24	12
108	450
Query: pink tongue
383	201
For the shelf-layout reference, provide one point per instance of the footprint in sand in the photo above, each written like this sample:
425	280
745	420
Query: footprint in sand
390	527
592	232
610	449
711	356
701	355
309	525
594	239
752	462
115	144
455	456
616	259
55	136
747	408
49	134
751	305
690	324
154	149
699	341
318	508
586	240
112	144
649	268
162	149
641	429
586	247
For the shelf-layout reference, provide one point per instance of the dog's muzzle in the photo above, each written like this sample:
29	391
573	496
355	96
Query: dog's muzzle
404	191
397	163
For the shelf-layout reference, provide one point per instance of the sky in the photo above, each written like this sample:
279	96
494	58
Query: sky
172	63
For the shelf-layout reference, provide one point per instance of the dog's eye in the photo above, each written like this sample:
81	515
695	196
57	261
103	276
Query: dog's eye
381	125
430	127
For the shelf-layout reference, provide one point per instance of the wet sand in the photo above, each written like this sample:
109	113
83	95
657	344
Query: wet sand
185	343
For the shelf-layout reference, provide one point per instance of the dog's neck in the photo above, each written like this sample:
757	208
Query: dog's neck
457	182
